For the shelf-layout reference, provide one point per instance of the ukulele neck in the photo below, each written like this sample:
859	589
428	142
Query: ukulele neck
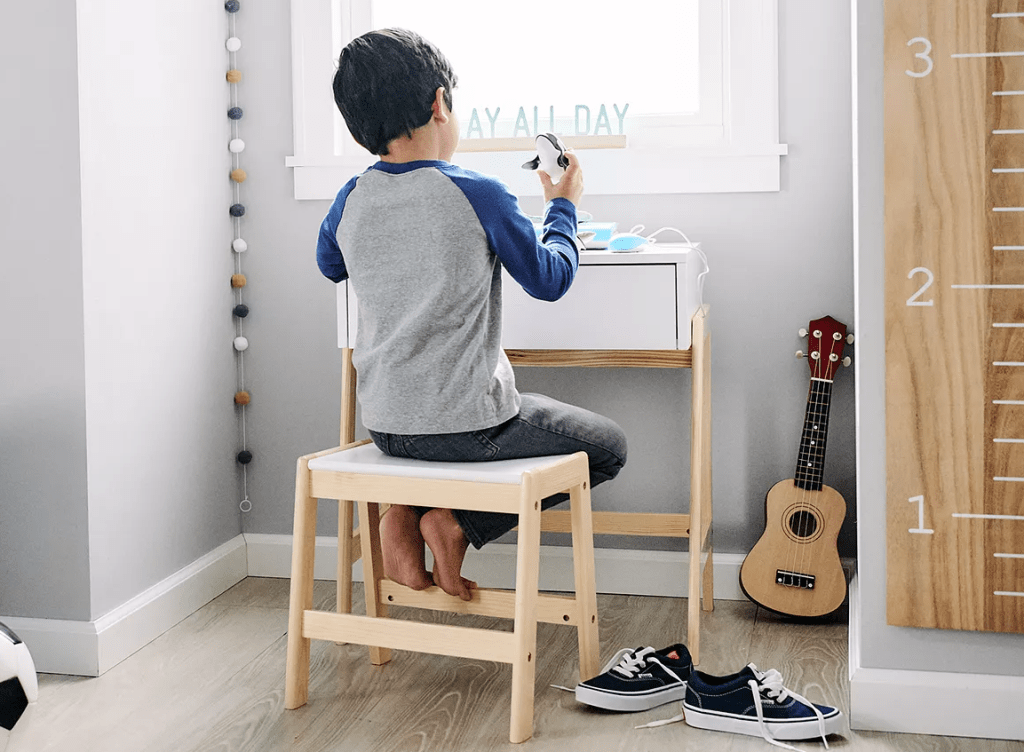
810	464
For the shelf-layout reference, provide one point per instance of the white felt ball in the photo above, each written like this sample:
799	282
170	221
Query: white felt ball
236	145
239	246
241	343
234	44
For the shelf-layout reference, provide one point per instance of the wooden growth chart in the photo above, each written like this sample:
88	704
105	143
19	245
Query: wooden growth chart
954	305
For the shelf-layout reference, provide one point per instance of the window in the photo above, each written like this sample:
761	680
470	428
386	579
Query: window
666	97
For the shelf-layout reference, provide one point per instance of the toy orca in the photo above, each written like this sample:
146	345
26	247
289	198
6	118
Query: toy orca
550	157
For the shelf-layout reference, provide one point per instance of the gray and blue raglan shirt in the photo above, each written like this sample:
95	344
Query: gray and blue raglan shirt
422	245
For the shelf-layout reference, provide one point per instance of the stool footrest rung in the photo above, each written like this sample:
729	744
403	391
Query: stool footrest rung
552	609
438	639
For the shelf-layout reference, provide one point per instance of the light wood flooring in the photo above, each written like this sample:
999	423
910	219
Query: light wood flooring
216	682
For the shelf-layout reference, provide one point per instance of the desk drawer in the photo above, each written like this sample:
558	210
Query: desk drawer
640	301
608	307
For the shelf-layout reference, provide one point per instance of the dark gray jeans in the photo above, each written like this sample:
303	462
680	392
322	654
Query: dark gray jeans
543	427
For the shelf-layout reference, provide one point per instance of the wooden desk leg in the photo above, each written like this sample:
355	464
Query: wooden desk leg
346	544
707	514
700	480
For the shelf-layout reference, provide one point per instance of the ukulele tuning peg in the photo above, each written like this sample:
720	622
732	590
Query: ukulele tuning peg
849	339
847	361
799	354
802	332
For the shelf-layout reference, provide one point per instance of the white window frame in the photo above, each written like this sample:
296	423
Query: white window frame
744	155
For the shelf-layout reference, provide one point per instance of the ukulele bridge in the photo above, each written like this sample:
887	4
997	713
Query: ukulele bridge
794	579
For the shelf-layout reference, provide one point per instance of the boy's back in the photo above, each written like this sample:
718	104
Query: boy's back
423	246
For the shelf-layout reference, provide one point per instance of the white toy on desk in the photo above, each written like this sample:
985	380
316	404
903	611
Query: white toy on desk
550	157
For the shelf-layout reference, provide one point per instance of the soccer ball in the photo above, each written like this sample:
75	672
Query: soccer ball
18	685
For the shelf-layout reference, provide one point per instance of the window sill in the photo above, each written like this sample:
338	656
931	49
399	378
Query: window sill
648	171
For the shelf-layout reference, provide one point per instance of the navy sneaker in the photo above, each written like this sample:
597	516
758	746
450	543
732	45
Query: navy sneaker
755	703
639	679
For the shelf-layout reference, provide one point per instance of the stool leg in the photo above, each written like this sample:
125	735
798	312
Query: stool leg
301	596
586	588
524	653
373	571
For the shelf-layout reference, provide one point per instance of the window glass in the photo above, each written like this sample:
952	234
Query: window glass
577	67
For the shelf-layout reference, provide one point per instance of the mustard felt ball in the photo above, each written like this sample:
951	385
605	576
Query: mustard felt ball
238	280
239	175
242	398
234	76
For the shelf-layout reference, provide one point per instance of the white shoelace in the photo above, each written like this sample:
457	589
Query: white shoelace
771	682
629	662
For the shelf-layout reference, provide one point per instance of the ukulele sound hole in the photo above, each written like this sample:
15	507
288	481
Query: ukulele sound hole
803	525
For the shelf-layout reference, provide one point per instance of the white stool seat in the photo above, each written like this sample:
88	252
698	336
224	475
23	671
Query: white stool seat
369	460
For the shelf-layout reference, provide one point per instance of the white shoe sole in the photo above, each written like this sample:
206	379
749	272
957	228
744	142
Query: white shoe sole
629	702
785	730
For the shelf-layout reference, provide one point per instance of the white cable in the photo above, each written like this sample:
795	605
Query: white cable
652	239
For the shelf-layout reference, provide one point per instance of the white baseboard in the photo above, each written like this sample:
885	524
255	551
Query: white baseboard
930	702
89	648
622	571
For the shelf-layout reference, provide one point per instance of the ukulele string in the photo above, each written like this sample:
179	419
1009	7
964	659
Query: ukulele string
794	560
817	455
806	463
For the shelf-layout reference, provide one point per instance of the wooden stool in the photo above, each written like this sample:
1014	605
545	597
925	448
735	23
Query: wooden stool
360	472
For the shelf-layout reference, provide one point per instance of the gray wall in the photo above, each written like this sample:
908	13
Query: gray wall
778	260
879	645
156	234
44	558
117	426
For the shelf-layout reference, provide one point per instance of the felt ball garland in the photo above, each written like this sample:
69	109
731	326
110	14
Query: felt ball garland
237	175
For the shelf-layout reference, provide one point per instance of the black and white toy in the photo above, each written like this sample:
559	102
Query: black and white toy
18	684
550	157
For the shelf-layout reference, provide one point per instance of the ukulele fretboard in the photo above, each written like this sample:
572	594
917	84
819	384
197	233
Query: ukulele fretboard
810	464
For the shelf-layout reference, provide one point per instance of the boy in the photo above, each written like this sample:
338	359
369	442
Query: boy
422	242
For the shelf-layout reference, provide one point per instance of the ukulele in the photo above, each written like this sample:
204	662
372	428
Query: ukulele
794	568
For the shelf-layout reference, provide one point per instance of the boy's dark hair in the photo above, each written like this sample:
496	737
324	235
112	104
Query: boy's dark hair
386	83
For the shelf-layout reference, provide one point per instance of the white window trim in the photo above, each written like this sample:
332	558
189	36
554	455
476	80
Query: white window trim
747	159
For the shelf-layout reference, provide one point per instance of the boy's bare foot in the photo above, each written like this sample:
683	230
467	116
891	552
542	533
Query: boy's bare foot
448	543
402	548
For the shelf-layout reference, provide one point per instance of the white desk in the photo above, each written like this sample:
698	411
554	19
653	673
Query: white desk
625	310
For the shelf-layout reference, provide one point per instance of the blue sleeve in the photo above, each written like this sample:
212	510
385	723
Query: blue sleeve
328	253
546	267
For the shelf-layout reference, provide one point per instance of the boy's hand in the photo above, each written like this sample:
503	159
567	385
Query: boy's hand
569	187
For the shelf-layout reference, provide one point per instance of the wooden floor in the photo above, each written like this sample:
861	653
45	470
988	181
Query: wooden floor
216	682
